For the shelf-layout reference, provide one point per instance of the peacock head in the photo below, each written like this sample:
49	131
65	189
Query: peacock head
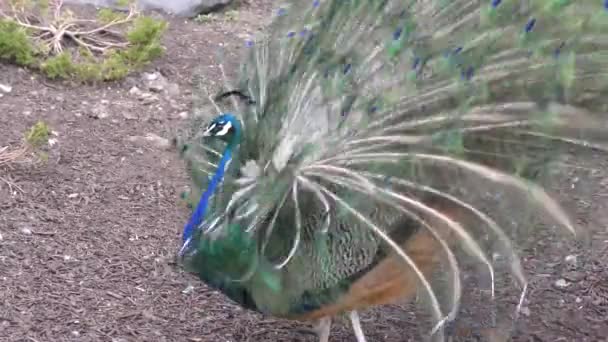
225	126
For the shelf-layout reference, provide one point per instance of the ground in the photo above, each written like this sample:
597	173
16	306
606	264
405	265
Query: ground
86	240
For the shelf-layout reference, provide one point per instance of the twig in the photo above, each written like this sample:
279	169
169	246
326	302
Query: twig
57	5
87	45
44	233
100	42
25	24
7	157
217	108
11	185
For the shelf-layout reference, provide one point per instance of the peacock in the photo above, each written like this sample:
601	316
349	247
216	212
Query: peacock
367	144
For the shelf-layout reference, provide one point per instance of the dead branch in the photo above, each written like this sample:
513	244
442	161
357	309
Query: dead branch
8	157
24	154
60	27
13	156
11	185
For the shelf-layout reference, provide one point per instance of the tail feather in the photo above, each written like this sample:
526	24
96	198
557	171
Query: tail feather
404	104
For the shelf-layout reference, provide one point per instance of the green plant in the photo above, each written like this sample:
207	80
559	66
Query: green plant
123	3
114	67
107	15
204	18
15	46
59	66
38	135
107	49
145	41
232	15
88	72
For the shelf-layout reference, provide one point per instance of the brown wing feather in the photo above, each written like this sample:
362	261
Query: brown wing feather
391	280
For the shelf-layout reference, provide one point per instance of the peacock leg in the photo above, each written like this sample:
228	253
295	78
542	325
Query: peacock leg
356	323
322	327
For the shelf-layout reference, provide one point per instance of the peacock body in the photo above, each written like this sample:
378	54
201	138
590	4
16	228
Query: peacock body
369	123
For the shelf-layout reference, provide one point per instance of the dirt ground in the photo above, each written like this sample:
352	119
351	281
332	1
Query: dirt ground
85	239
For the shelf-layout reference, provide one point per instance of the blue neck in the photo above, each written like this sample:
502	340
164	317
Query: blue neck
199	213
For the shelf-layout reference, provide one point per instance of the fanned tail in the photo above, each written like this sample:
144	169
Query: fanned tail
406	104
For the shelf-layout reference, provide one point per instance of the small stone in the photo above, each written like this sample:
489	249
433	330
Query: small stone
154	139
100	112
188	289
571	259
155	81
183	115
156	87
5	88
149	99
158	141
151	76
561	283
135	91
145	97
129	115
75	333
578	300
173	89
26	231
74	195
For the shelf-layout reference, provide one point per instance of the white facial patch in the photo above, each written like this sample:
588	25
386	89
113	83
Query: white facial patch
209	129
227	126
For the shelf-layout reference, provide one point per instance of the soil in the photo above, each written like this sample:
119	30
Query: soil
87	239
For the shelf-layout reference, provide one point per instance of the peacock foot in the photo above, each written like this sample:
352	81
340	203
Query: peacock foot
322	328
356	324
